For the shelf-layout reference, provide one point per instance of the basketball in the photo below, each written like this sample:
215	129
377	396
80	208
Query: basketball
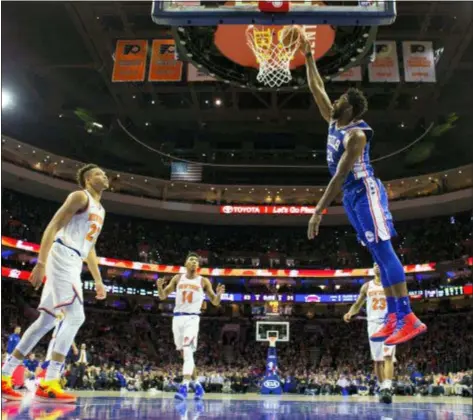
290	35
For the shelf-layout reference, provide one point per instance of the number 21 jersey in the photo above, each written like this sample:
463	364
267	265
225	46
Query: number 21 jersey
83	229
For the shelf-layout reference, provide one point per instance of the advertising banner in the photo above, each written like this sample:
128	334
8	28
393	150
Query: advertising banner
385	67
419	63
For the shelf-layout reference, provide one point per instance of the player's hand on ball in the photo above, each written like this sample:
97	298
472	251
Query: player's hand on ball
347	317
220	289
37	276
305	47
100	290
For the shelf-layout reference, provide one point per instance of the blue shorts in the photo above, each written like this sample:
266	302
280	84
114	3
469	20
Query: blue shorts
366	204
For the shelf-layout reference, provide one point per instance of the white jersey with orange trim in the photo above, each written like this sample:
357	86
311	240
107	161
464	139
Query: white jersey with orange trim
82	231
189	295
376	307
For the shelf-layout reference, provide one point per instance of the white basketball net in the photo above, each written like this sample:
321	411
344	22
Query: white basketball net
273	57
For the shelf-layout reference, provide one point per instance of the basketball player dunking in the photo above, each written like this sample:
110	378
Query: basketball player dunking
190	290
383	356
364	199
68	240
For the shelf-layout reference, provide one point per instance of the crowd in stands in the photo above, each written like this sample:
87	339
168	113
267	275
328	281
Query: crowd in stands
25	217
134	351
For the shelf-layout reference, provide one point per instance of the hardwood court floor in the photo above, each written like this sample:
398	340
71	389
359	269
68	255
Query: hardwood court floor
139	405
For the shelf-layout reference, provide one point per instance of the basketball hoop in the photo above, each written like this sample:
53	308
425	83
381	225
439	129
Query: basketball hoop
272	341
273	57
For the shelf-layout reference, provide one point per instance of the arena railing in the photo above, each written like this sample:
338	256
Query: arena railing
232	272
60	167
298	298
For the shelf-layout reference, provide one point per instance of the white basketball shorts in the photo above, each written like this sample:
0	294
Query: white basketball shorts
185	329
378	350
63	285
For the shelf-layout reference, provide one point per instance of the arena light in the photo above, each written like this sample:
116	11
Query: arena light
7	100
218	102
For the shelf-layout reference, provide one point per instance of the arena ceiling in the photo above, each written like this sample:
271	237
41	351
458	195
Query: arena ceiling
57	57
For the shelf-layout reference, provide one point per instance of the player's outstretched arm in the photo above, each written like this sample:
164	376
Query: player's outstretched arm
316	84
163	293
74	202
214	298
93	265
355	142
355	308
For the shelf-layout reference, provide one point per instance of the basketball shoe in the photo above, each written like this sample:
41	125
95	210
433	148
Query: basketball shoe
407	328
8	392
386	396
181	394
386	330
198	391
52	391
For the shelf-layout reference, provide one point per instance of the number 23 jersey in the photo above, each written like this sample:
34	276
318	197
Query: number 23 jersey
84	228
376	307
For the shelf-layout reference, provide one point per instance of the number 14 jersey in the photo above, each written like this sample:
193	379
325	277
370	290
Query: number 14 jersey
189	295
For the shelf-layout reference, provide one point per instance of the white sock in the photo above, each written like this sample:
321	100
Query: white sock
387	384
54	370
10	365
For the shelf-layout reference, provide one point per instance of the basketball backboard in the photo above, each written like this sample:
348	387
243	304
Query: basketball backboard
266	329
210	13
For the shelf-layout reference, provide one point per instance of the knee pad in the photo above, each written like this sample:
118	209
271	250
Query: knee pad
73	316
189	364
389	263
70	325
36	331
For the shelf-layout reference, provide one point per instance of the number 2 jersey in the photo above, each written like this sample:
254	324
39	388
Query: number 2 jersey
189	295
376	307
82	231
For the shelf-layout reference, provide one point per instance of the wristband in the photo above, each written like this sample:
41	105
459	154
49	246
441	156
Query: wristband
308	54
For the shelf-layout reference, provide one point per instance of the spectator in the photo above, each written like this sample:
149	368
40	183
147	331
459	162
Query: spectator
31	365
13	340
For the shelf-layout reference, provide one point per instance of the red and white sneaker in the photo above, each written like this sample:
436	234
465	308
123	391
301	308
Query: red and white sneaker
52	391
408	327
8	392
386	330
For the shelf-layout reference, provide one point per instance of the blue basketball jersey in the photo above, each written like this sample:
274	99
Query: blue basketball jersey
335	148
364	197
